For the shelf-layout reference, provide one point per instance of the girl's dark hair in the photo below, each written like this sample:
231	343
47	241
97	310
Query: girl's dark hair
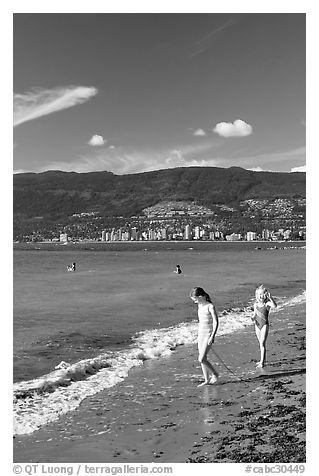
200	292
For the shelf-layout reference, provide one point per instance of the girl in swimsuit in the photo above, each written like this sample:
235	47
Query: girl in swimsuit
207	328
264	301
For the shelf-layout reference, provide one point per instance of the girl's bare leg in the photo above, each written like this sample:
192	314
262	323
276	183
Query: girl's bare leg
203	349
262	335
209	373
213	372
257	330
205	371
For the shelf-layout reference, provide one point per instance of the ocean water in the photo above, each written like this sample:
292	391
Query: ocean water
124	305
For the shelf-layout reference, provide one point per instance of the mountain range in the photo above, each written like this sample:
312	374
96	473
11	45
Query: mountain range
55	194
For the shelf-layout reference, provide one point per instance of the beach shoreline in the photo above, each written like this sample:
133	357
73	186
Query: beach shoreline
157	414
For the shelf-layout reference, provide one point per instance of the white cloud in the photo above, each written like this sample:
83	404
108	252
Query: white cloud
257	169
204	163
199	132
238	128
302	168
41	102
97	140
21	171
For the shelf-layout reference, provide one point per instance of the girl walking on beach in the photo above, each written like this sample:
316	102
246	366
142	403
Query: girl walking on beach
264	301
207	328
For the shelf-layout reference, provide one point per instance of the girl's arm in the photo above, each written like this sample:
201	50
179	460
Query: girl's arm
213	312
271	302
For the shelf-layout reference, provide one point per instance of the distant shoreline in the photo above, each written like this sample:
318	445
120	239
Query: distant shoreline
152	241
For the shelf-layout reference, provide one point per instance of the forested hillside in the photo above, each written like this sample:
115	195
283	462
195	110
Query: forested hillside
55	194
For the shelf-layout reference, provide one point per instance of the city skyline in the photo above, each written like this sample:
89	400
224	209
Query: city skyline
135	92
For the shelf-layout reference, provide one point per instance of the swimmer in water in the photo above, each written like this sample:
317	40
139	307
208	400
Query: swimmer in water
178	269
72	267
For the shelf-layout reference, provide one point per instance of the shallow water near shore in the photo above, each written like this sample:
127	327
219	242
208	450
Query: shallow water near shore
122	311
158	414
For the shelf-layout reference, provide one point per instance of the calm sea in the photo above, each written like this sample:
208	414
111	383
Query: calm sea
124	305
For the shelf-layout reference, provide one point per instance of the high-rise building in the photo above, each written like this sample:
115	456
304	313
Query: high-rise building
63	238
265	234
251	235
219	235
197	233
151	235
134	233
188	232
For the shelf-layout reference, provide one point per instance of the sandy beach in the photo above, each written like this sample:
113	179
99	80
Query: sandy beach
157	413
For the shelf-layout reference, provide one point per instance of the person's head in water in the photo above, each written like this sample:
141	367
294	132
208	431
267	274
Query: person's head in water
261	293
199	293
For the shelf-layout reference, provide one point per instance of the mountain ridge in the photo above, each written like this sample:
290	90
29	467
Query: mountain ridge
57	194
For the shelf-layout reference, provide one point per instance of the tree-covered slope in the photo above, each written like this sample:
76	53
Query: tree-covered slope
56	194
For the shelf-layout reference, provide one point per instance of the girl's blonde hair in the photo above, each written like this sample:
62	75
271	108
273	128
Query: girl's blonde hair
260	288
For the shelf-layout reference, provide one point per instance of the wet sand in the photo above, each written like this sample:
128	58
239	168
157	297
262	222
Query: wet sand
158	414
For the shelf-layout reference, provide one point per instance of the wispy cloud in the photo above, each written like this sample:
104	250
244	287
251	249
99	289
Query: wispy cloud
97	140
302	168
203	43
126	161
238	128
292	154
203	153
41	102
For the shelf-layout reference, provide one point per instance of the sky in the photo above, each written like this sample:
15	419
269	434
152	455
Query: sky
135	92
